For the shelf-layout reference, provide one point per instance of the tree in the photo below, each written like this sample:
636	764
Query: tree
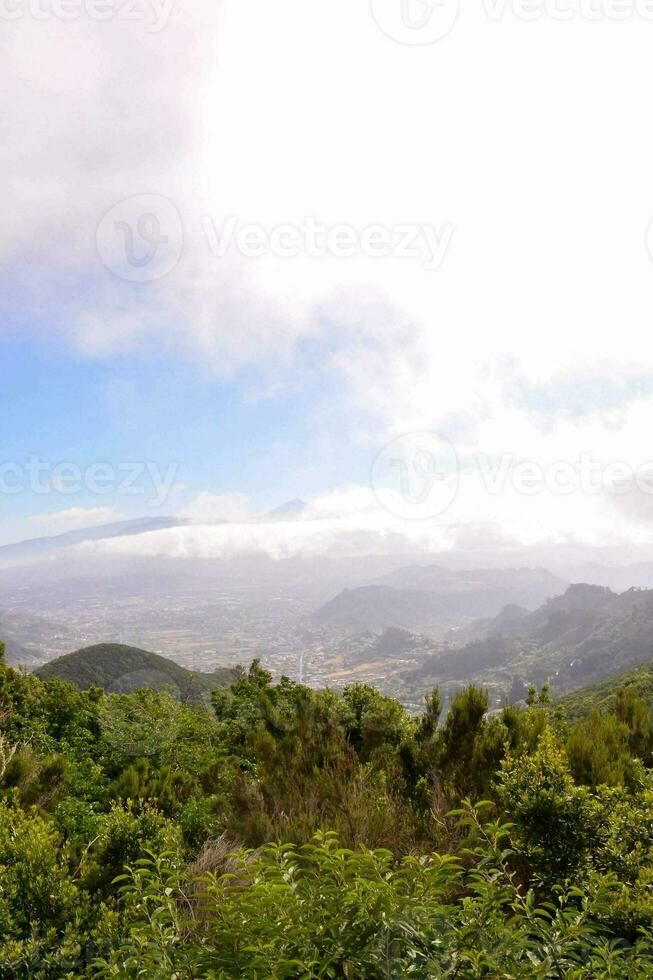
558	821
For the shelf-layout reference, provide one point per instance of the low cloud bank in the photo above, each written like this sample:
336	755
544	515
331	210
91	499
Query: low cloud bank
356	520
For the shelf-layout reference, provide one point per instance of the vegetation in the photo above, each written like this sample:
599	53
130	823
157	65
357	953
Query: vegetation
603	695
284	832
570	641
122	669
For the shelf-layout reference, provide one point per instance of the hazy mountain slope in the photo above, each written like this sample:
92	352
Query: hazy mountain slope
373	608
16	653
120	669
435	600
506	622
582	636
23	635
488	589
36	548
577	610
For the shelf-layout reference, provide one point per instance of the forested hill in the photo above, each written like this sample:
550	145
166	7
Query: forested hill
603	695
121	669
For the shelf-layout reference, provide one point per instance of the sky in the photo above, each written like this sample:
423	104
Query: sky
392	258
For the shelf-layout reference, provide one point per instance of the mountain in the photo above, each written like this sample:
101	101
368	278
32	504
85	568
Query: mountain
619	578
120	669
433	600
480	592
581	703
505	622
36	548
373	608
23	635
577	638
396	642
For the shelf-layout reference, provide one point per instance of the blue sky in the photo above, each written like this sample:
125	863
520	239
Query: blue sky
222	436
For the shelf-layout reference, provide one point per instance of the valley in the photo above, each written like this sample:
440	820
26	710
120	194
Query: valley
403	626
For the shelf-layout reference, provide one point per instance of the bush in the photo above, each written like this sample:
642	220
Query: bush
326	911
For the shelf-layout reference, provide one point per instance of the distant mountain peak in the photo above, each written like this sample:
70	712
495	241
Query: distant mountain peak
585	589
583	596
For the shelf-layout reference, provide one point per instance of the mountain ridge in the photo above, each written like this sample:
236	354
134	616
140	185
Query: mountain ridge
39	547
572	640
463	598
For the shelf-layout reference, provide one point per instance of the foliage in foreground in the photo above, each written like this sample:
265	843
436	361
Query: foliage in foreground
139	836
325	911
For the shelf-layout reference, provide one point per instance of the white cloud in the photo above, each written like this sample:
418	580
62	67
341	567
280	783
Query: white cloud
548	250
513	512
547	282
208	507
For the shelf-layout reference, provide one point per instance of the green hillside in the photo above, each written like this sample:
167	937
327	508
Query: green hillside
603	695
121	669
